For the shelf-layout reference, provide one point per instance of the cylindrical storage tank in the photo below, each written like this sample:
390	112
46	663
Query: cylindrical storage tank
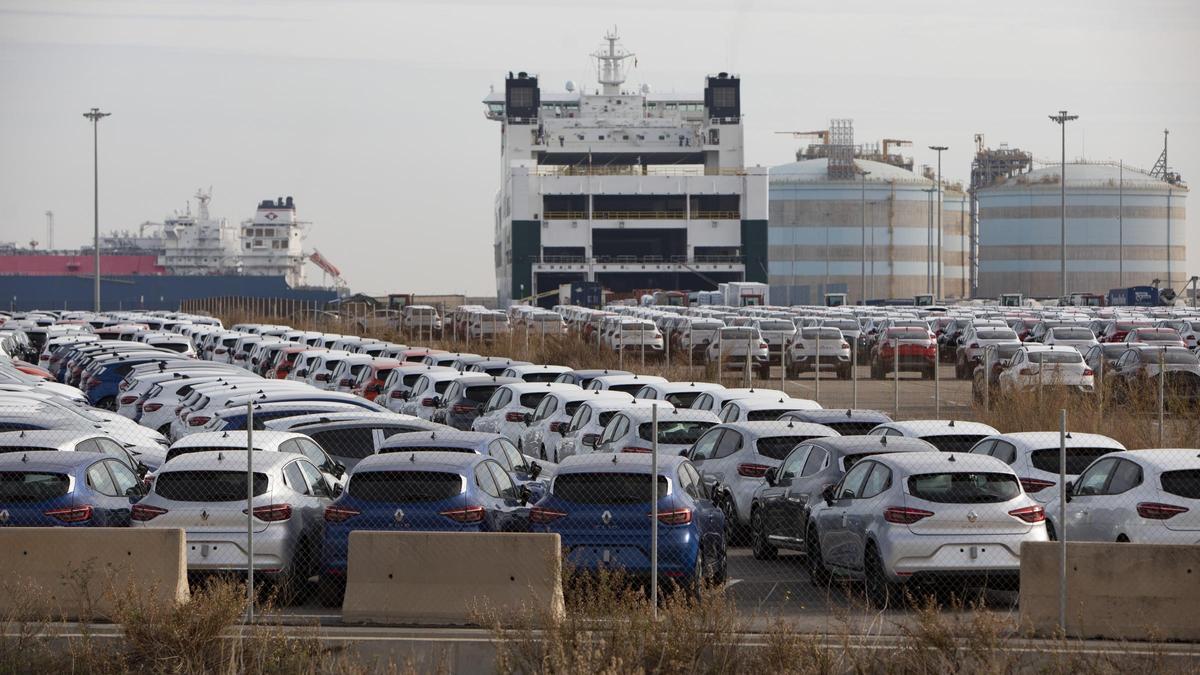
1123	228
816	234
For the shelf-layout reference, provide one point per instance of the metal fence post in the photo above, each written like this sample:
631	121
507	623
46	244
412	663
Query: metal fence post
987	378
854	375
1062	510
1100	381
896	375
1162	393
817	370
749	349
249	512
937	390
642	342
654	510
783	353
620	332
667	345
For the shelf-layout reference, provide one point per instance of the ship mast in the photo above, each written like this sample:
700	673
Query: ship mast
610	67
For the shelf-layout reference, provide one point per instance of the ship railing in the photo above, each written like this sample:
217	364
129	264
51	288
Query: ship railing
635	170
642	215
635	259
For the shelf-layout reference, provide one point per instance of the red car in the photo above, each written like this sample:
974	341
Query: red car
917	352
1118	329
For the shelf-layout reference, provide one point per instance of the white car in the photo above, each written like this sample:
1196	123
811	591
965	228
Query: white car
1035	455
679	394
1079	337
583	431
320	373
632	430
834	352
763	409
636	335
270	442
738	348
158	407
350	437
399	383
426	394
549	421
1142	496
535	373
629	384
345	374
1036	366
945	435
714	400
504	412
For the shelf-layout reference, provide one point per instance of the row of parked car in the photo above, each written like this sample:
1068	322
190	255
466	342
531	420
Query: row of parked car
351	433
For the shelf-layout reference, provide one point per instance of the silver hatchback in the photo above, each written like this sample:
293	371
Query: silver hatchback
919	517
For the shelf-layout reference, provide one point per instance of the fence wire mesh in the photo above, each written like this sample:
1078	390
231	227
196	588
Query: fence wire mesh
841	455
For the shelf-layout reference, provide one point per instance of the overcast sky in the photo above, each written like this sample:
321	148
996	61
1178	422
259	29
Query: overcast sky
369	113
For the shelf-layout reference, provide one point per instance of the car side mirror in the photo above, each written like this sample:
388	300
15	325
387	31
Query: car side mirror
336	490
827	494
684	452
338	469
524	495
535	470
1070	488
772	475
142	470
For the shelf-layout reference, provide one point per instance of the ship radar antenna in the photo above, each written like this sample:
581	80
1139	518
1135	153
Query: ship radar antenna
202	199
610	67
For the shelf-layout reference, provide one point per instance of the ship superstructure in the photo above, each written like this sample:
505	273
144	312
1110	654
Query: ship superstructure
628	188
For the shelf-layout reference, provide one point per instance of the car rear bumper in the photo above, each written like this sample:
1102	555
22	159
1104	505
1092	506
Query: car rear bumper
908	555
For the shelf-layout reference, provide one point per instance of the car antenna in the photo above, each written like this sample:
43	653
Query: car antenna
412	457
25	457
790	425
951	422
848	412
883	440
220	456
1068	434
225	435
614	459
952	457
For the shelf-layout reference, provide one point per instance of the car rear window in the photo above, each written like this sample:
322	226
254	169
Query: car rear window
603	418
571	407
32	486
764	415
964	488
173	346
852	428
626	388
682	399
207	486
684	432
778	447
405	486
1183	483
998	335
480	394
607	488
1078	459
1073	334
540	377
426	448
532	400
953	442
823	333
908	333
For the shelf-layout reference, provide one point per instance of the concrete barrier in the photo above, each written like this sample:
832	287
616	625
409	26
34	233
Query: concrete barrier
446	578
74	573
1118	591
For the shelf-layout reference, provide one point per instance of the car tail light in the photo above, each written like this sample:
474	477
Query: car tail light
542	515
346	382
1029	514
339	514
468	514
239	357
322	377
973	345
462	408
557	427
634	448
396	394
272	513
1035	484
427	402
752	470
44	357
71	514
1028	371
674	516
198	420
150	407
1087	372
220	350
901	515
1156	511
514	417
145	512
126	400
763	345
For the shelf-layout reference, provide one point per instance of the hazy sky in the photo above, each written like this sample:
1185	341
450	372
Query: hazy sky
369	113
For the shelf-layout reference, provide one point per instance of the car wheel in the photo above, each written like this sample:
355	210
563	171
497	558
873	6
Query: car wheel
1122	539
1050	533
721	571
881	592
734	535
759	546
818	574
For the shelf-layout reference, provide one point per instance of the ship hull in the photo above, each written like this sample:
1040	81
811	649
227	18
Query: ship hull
22	293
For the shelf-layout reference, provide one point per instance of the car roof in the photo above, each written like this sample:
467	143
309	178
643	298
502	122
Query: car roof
233	439
49	438
531	387
418	461
476	379
644	413
676	387
540	367
628	379
1032	440
346	418
1164	459
861	444
35	460
827	415
451	438
615	463
230	460
768	402
597	372
922	428
775	428
937	462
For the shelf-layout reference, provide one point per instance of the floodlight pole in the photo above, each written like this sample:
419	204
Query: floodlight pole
1061	119
95	116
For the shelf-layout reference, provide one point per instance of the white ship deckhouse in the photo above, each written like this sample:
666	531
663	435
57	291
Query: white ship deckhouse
630	189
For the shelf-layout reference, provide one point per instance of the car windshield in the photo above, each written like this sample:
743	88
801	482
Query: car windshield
908	333
996	335
683	432
776	325
778	447
953	442
405	486
822	333
1182	483
1073	334
738	334
964	488
1078	459
207	486
31	486
1064	356
607	488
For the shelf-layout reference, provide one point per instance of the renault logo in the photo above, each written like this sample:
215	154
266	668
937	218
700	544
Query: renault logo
4	517
972	516
204	515
398	515
606	517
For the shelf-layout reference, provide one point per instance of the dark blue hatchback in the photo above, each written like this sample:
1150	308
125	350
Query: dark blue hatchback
600	507
47	488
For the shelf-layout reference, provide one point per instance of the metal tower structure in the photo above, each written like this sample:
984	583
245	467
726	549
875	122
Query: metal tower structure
49	230
988	167
841	148
610	63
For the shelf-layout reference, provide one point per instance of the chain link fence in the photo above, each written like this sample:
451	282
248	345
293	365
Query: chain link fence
839	469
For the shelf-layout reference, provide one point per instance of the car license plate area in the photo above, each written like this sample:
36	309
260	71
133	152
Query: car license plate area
965	556
611	557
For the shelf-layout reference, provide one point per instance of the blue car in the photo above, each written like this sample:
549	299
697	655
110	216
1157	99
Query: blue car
419	492
600	506
104	385
47	488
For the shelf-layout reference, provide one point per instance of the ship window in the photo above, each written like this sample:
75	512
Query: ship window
258	243
247	244
269	232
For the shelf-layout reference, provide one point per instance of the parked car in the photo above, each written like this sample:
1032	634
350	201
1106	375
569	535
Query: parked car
582	433
763	409
738	348
714	400
629	384
1157	337
1143	496
921	517
679	394
582	378
45	488
350	436
466	397
632	430
781	506
598	505
505	411
1139	368
917	351
270	442
947	436
975	344
1079	337
1035	366
845	421
833	355
520	468
548	422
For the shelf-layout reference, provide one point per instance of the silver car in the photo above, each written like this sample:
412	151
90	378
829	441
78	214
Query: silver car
915	517
205	495
1035	455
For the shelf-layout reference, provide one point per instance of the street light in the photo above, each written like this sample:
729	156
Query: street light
1193	281
1062	118
862	283
929	274
95	116
939	149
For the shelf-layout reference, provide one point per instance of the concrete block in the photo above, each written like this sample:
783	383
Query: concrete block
1116	591
58	572
445	578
